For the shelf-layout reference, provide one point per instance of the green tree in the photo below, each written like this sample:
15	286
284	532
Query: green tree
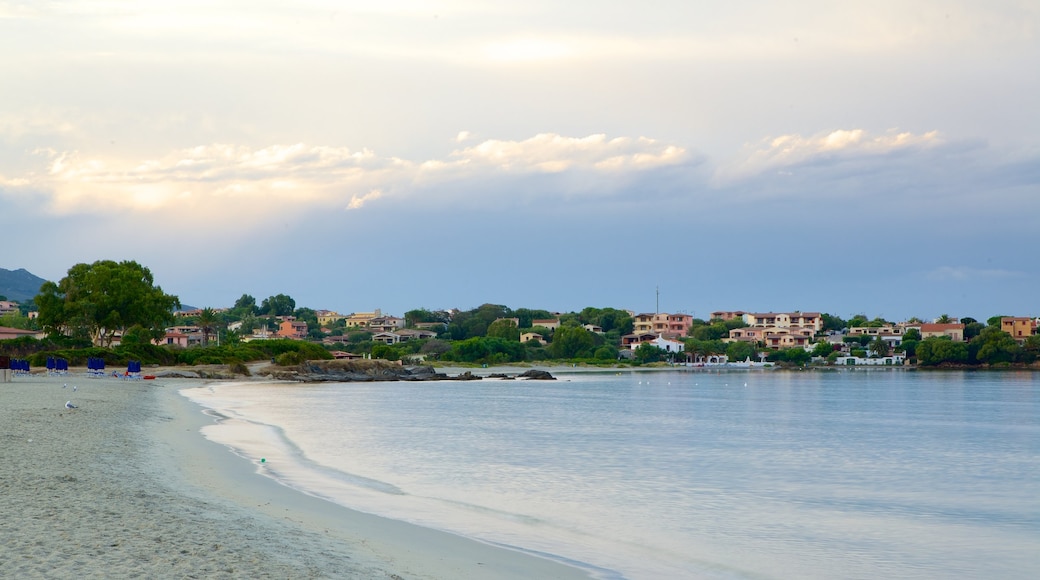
936	350
972	328
831	322
795	356
606	352
207	322
103	299
823	349
648	353
527	316
434	347
245	306
740	350
996	346
912	334
715	331
909	347
504	328
571	342
385	352
278	305
995	320
879	347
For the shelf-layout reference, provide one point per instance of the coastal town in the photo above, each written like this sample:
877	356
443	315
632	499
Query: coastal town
727	339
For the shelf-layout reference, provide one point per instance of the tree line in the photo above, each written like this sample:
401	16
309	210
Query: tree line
96	302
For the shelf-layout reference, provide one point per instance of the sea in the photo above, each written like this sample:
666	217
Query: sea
677	473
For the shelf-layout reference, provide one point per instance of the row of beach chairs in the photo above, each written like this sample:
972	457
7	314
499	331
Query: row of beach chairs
60	366
95	367
57	366
19	366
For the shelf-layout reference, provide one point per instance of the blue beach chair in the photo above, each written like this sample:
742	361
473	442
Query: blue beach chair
133	370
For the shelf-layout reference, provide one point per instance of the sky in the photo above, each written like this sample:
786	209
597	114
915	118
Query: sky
878	158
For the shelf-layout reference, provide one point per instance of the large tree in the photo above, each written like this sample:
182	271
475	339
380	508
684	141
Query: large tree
571	342
104	299
279	305
504	328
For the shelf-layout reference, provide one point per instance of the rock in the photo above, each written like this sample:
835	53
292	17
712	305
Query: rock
536	375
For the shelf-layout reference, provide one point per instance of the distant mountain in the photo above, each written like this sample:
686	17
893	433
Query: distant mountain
19	285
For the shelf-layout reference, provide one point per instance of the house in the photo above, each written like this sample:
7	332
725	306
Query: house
550	323
790	337
386	337
407	334
328	317
774	337
294	329
751	334
593	328
662	343
893	335
173	338
670	325
813	320
727	314
8	307
636	338
894	360
361	319
385	324
528	336
1020	328
182	336
954	331
7	333
342	355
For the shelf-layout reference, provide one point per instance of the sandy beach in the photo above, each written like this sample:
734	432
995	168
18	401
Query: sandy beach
125	486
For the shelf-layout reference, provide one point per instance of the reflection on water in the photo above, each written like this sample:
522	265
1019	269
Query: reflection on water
681	474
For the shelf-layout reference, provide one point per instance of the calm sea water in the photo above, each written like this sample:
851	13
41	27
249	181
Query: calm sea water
678	474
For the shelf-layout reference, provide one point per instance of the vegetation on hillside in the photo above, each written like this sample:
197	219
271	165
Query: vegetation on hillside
96	302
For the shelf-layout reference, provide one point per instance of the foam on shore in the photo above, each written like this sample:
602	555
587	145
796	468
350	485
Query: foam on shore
125	485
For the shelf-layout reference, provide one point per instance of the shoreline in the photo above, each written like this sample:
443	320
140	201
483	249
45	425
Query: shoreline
127	485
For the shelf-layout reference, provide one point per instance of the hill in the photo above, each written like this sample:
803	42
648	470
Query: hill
19	285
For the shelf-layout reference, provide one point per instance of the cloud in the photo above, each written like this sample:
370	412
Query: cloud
553	153
215	178
356	202
782	154
962	273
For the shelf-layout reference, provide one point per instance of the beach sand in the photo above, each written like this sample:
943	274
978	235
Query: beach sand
125	486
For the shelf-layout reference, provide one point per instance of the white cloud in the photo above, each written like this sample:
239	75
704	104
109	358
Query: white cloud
356	201
554	153
224	178
777	154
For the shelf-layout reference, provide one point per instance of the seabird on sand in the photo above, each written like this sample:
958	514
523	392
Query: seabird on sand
69	405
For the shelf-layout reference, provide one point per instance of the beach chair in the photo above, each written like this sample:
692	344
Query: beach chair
20	367
50	366
61	367
95	367
133	370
